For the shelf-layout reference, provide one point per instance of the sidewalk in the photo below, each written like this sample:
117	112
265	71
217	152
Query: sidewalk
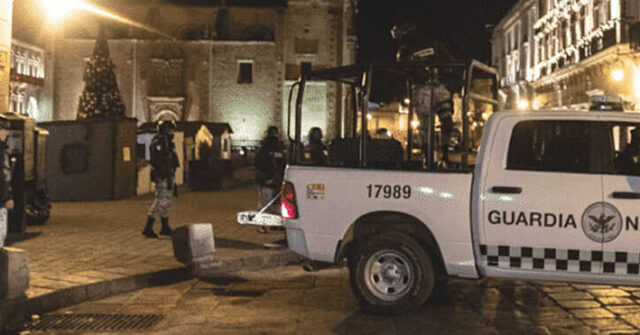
101	242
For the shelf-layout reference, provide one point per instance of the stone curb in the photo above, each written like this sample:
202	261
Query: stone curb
100	290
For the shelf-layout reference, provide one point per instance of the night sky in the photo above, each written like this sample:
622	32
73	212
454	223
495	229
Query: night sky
458	24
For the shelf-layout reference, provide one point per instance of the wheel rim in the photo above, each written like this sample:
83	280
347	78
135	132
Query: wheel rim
388	275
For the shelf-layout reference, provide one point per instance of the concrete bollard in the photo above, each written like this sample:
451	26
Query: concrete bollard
14	282
14	273
194	243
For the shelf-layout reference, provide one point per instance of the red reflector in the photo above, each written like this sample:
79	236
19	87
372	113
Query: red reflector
287	211
288	205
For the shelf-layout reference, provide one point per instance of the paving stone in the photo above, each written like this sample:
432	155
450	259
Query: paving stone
553	289
608	324
608	301
609	292
633	319
592	313
624	309
574	304
590	286
571	296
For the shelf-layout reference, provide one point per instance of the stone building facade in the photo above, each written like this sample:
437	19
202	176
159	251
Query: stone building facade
27	78
230	64
578	48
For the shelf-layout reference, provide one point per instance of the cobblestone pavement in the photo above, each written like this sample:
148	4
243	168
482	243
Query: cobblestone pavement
287	300
86	242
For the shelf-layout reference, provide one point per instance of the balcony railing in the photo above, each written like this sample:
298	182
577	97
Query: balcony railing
21	78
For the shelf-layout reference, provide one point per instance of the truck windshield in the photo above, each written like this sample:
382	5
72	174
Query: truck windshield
415	116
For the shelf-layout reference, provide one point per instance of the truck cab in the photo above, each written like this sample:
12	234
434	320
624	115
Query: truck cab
550	195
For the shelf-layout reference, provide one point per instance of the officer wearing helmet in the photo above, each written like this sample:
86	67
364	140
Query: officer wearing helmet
164	162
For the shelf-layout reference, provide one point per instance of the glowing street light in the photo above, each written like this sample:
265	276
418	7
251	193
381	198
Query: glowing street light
617	75
58	9
523	104
415	124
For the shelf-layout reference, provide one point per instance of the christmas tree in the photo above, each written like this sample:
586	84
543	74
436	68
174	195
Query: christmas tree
101	96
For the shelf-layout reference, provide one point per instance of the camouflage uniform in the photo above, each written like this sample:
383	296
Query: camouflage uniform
164	195
164	163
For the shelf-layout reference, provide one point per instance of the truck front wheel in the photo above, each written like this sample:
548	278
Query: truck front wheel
390	273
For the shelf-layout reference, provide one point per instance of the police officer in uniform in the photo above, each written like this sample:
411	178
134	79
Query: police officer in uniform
316	152
164	162
442	104
270	163
628	162
6	201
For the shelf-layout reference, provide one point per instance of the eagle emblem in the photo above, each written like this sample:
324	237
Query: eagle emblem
602	222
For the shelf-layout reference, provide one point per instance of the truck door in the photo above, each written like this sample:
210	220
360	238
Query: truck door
619	230
541	178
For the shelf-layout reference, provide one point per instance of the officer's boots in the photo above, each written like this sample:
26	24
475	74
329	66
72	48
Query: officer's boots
166	230
148	229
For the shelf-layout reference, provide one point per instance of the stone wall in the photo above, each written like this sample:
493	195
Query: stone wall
305	31
248	108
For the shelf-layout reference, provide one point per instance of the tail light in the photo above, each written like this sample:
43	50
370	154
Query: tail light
288	203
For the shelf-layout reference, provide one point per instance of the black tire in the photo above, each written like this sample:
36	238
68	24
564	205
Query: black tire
418	279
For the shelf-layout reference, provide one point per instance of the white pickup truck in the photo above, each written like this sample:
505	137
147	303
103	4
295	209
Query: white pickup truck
554	195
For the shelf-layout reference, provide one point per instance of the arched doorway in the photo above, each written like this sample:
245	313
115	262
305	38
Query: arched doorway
166	115
165	108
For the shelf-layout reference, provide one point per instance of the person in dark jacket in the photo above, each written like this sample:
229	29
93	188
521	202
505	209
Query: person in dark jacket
164	162
628	162
316	152
270	163
6	200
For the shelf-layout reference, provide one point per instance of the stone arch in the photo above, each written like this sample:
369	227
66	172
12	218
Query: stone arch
166	115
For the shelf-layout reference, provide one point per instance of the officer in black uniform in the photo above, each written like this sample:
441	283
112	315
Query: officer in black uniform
270	163
164	162
316	152
628	162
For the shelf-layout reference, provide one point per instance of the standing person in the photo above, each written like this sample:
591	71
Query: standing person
628	162
6	200
270	164
443	108
164	162
316	153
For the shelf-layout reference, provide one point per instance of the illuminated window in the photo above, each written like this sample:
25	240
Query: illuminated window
245	72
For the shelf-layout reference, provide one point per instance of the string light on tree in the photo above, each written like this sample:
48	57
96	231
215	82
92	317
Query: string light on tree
101	97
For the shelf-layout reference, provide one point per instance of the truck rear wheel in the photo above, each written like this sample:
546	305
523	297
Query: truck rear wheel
390	273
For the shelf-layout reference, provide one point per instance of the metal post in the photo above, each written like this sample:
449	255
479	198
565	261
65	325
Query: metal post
465	119
431	138
354	112
365	111
297	150
410	118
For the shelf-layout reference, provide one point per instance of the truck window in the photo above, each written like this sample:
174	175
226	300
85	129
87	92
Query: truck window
551	146
622	154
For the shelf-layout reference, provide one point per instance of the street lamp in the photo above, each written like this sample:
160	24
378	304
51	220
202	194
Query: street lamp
617	75
58	9
523	104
